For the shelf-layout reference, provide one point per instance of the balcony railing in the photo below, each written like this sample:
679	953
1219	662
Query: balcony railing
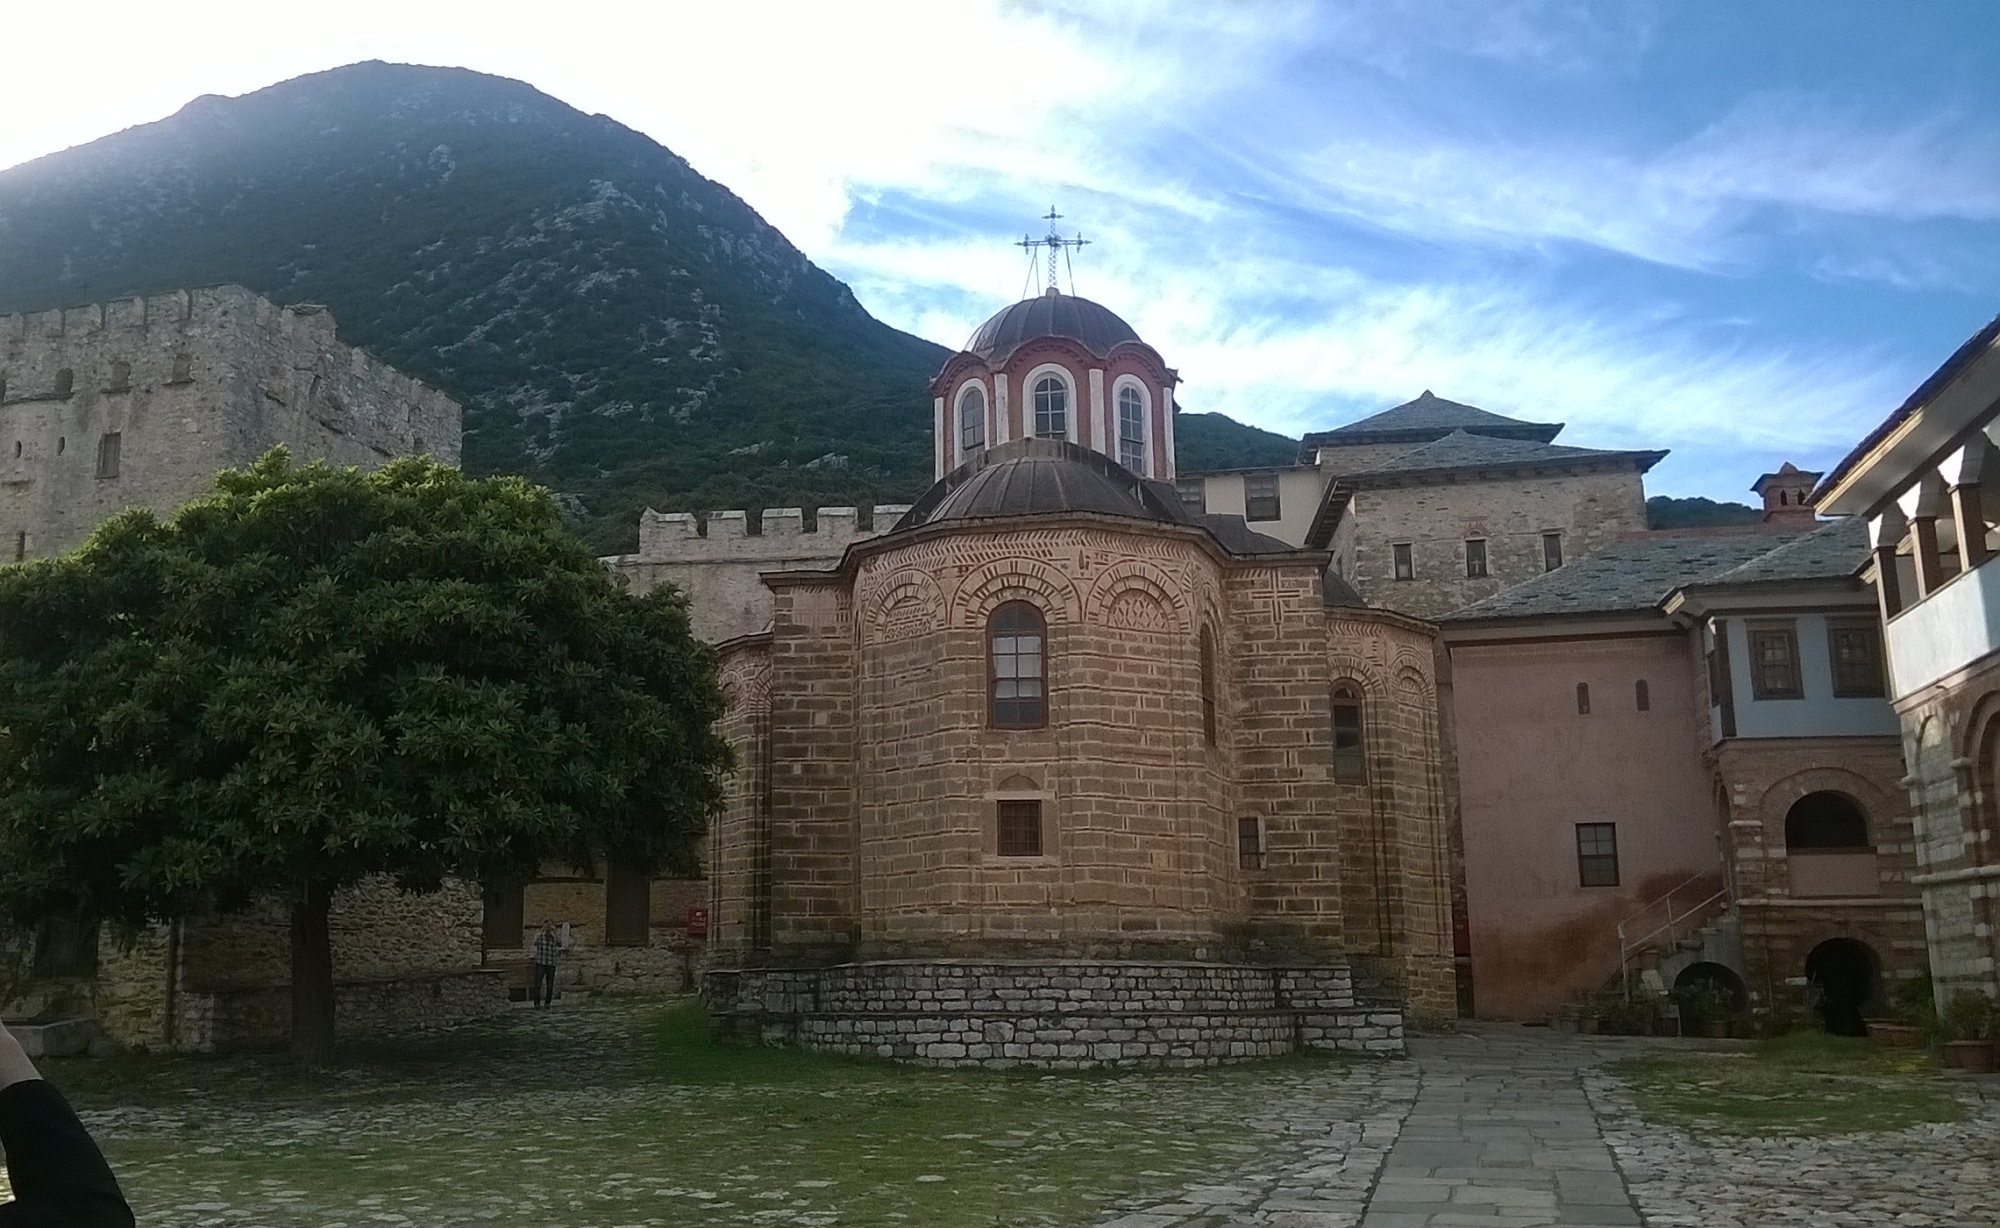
1948	630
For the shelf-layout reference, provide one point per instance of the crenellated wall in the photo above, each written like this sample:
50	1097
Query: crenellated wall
138	402
717	562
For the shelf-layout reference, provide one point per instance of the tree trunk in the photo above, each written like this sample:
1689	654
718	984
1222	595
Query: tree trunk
312	977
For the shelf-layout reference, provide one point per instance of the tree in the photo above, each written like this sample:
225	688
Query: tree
315	675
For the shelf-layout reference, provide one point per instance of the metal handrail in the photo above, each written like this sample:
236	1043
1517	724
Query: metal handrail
1626	946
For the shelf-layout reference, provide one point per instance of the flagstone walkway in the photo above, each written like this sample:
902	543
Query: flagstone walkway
1509	1126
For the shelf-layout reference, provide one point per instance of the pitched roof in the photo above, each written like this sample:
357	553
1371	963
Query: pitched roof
1430	417
1960	359
1462	450
1639	571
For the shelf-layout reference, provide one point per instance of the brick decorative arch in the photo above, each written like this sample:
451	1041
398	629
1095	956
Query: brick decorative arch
901	606
1120	581
1778	800
1014	579
745	681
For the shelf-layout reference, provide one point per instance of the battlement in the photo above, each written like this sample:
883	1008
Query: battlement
139	401
669	537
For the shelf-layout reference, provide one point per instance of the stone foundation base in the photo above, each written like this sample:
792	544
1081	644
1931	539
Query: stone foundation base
1058	1015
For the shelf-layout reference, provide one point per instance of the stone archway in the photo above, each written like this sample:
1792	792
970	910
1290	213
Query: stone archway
1720	978
1842	974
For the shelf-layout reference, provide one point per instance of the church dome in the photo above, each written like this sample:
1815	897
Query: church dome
1031	477
1097	328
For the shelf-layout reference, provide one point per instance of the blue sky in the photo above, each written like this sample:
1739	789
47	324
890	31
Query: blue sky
1742	231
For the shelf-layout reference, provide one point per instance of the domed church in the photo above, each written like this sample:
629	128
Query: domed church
1058	772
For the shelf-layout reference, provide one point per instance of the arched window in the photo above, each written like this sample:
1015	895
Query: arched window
1826	820
1051	408
971	422
1018	667
1207	687
65	382
121	377
1642	695
1132	429
1350	757
1583	699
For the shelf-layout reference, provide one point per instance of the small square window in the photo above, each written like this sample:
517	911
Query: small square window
1856	649
1260	496
1597	854
1193	493
1475	558
1774	663
1020	832
1406	567
1552	551
1250	844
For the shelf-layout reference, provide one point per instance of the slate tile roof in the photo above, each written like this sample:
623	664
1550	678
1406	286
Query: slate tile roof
1430	416
1464	450
1639	571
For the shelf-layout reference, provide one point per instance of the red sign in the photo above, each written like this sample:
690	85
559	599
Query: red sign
697	923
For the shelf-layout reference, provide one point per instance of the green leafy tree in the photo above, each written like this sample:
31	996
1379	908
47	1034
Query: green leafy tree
315	675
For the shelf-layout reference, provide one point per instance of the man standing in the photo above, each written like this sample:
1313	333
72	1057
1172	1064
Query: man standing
542	991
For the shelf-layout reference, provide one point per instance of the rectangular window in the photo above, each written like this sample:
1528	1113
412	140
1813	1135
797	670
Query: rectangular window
107	454
1250	844
504	909
1774	663
1350	755
1552	551
1856	649
628	905
1020	828
1406	567
1475	558
1597	854
1193	493
1260	496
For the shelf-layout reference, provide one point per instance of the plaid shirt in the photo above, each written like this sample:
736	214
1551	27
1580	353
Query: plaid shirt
547	947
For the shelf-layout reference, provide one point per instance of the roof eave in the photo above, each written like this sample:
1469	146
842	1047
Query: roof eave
1641	461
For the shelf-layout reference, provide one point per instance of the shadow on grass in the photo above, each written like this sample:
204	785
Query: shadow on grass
1802	1084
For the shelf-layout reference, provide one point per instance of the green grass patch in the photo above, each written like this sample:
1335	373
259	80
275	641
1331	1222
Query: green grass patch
1805	1083
629	1113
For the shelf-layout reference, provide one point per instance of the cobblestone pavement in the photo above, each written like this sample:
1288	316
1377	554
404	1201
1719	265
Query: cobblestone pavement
1500	1126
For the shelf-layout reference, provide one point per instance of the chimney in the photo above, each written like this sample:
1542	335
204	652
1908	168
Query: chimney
1788	497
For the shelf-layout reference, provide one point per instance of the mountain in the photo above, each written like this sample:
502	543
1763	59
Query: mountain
1215	441
1666	512
616	325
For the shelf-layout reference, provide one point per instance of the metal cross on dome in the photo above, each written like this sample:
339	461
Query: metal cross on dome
1055	243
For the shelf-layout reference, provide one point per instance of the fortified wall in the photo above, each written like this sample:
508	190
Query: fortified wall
717	563
138	402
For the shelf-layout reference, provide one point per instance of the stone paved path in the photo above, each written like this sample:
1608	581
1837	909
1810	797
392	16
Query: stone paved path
1499	1126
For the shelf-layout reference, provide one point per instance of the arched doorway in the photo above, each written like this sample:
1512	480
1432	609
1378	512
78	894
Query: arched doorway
1720	979
1841	972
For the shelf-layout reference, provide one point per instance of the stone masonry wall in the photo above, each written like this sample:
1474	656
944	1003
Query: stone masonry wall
1761	778
189	383
1063	1016
717	564
1589	509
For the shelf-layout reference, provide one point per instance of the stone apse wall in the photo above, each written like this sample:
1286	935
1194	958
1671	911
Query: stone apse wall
862	824
1951	740
138	402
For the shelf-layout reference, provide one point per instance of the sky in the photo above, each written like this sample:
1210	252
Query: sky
1742	231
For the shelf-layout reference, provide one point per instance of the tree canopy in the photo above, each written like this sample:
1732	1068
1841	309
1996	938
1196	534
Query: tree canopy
314	675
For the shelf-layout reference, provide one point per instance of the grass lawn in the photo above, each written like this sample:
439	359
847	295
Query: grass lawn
1806	1083
623	1113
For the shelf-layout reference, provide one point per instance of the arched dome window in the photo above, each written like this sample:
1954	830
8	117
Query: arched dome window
1051	408
971	422
1350	755
1132	429
1018	666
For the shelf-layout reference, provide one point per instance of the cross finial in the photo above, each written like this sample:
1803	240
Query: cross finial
1054	242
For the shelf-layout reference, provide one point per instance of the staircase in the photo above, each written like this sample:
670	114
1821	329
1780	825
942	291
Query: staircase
1692	923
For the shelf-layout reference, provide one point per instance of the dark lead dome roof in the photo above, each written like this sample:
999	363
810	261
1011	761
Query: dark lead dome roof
1041	477
1050	315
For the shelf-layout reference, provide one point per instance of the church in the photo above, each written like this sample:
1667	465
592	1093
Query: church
1059	771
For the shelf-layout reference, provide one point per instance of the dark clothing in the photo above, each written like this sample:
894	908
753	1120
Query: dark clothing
59	1177
542	991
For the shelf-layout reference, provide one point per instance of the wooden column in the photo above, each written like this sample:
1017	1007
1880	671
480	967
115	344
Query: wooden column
1930	565
1971	521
